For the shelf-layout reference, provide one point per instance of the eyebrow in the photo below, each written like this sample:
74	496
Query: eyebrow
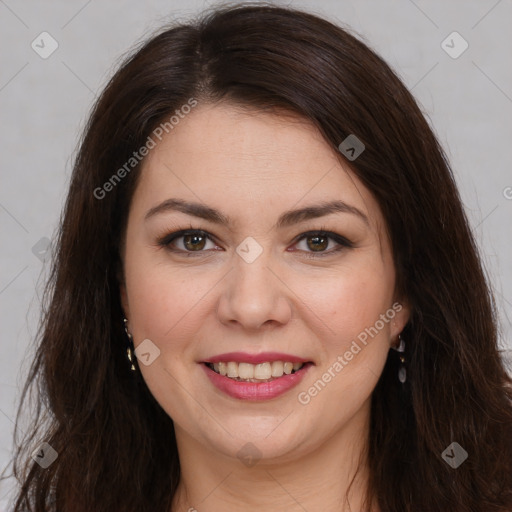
286	219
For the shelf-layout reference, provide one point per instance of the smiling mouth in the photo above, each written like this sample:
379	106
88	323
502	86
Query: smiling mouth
263	372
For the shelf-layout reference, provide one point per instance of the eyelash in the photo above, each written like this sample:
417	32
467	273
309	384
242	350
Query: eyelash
342	242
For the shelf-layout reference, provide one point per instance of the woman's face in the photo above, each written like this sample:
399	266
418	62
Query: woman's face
255	293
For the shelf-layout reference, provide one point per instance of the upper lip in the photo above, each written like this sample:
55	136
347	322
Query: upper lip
262	357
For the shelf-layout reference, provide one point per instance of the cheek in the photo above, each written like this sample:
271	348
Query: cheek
163	300
351	300
354	341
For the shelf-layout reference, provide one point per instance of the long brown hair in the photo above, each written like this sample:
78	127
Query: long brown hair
115	444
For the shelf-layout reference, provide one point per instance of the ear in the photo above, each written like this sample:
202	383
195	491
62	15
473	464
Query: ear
402	311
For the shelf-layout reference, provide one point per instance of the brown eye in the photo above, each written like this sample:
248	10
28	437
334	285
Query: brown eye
317	242
187	242
322	243
194	242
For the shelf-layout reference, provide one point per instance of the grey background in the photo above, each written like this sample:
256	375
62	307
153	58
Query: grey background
44	104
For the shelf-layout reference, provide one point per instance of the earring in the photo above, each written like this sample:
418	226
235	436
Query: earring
402	372
129	352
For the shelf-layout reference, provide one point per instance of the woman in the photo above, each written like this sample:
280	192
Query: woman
266	295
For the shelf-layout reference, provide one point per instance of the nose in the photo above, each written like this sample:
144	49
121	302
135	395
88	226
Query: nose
254	295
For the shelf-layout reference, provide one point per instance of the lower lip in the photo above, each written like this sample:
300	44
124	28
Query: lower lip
256	390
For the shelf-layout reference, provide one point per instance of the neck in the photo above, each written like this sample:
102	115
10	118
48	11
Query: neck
213	481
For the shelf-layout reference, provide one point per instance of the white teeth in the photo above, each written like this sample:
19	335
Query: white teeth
245	371
232	369
223	368
256	372
277	368
263	371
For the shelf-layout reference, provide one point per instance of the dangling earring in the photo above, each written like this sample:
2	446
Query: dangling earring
402	372
129	351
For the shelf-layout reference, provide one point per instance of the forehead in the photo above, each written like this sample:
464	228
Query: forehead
229	157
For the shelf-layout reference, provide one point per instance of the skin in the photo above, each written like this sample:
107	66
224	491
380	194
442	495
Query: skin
252	167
